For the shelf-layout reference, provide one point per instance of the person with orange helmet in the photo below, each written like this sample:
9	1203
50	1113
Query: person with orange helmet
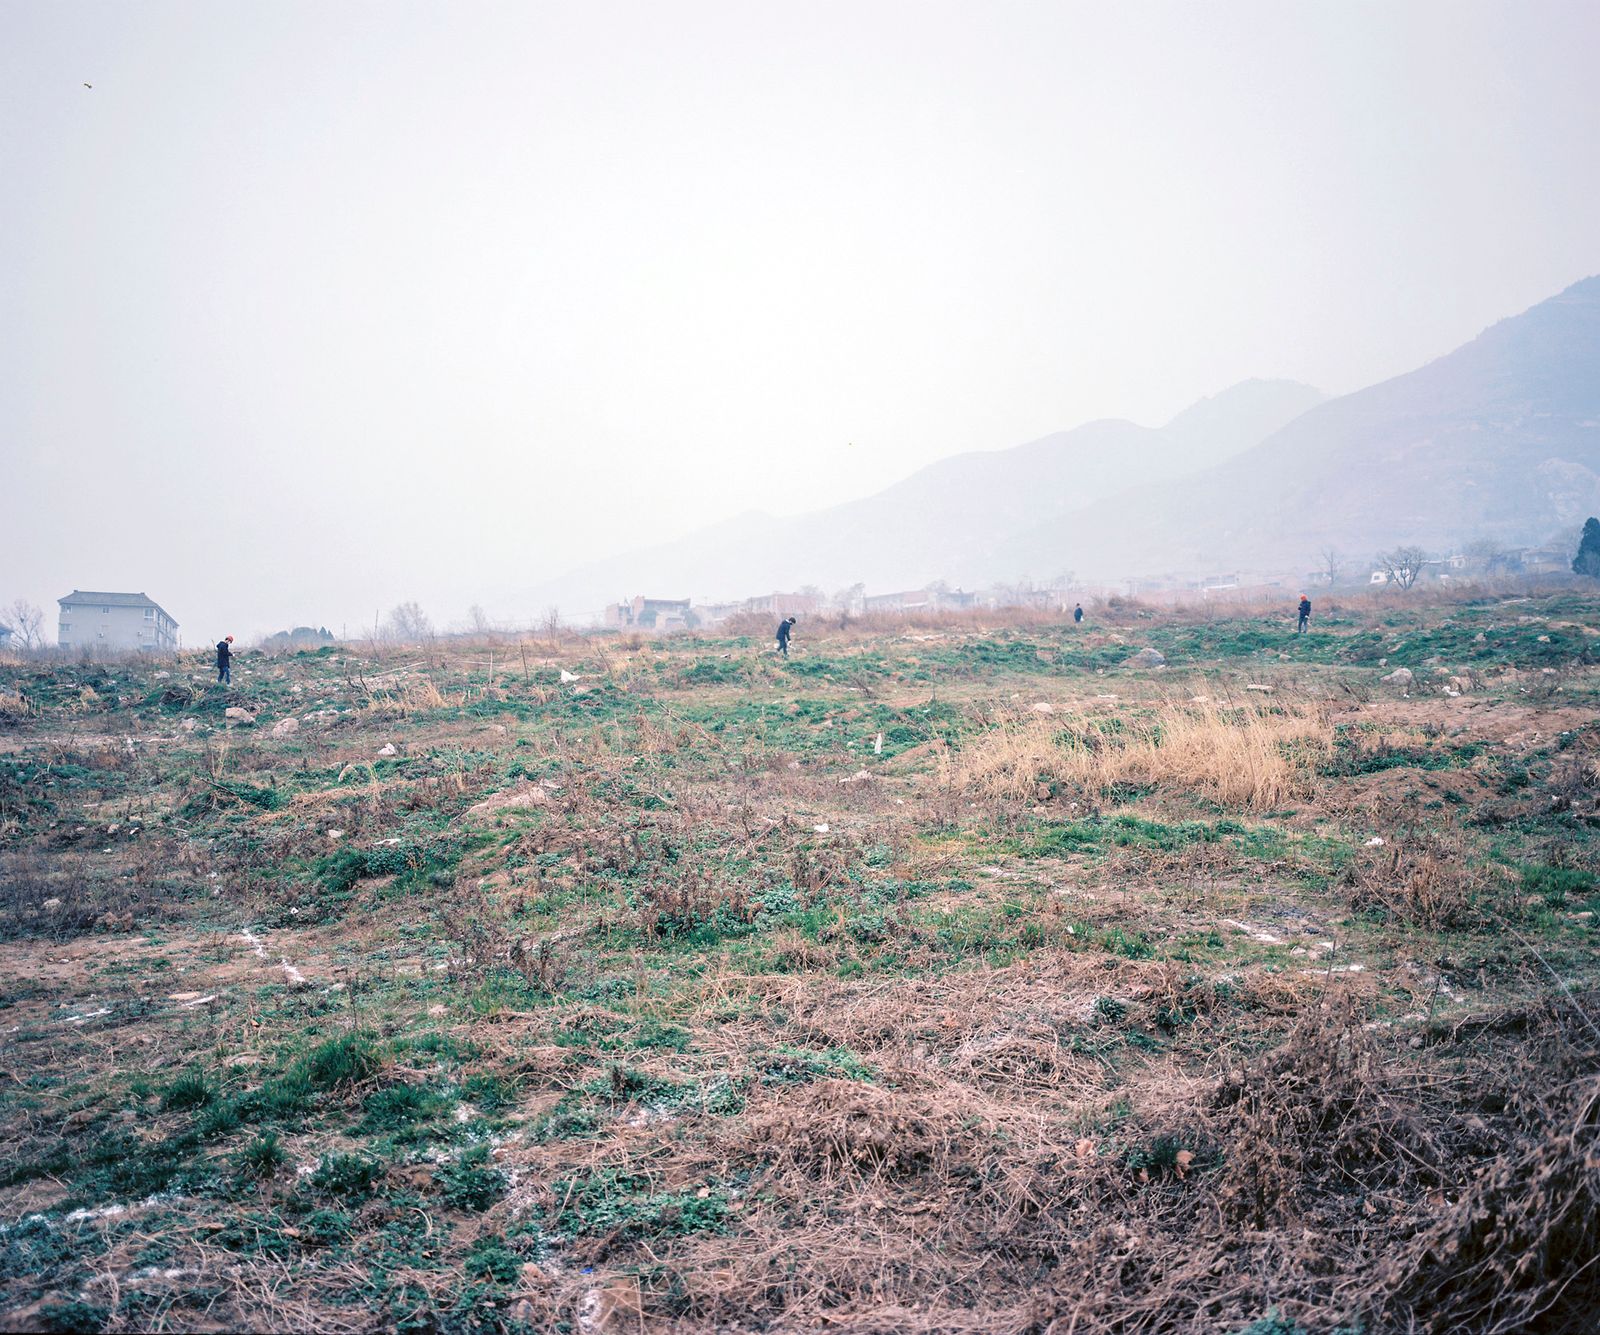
1305	615
225	661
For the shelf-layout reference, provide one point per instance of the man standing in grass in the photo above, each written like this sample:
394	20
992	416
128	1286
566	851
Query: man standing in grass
1077	615
225	660
784	628
1305	615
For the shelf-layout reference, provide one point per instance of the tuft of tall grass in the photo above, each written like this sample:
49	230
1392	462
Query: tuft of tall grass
1243	755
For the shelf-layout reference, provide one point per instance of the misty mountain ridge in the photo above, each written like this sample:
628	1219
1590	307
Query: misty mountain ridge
944	520
1499	439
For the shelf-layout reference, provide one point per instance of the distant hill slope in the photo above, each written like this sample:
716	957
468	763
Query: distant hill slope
944	521
1498	439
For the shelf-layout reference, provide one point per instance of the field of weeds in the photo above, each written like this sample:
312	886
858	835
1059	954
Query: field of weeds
958	978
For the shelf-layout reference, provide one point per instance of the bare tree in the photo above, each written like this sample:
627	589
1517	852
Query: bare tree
1403	565
550	620
1332	564
26	624
849	600
408	623
478	619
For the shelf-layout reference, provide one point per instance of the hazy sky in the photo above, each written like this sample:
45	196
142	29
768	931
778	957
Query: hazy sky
309	308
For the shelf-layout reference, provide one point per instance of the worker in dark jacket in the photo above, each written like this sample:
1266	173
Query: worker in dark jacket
1077	615
784	627
1305	614
225	660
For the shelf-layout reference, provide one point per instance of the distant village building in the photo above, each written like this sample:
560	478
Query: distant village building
784	604
642	613
714	614
919	600
115	621
1037	600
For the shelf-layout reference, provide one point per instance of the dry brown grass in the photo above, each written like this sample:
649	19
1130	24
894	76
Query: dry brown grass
1244	755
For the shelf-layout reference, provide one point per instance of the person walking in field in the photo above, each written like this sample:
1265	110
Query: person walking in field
1305	615
784	627
1077	615
225	660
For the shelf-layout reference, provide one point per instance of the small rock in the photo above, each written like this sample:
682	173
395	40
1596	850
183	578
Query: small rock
821	829
1374	842
1400	677
187	725
238	715
1479	638
1044	707
387	749
284	726
1432	661
1148	658
51	905
1252	686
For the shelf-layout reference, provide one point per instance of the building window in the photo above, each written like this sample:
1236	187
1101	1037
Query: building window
149	614
105	611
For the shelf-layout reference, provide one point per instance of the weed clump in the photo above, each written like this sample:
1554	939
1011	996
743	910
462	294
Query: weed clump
469	1183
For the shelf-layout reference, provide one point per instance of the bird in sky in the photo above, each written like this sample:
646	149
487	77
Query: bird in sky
88	85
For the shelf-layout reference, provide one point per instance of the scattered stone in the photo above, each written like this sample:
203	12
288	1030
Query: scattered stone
1480	638
284	726
1544	639
568	676
821	829
1044	707
238	715
1148	658
1253	686
387	749
1400	677
1432	661
51	905
527	795
1374	842
188	724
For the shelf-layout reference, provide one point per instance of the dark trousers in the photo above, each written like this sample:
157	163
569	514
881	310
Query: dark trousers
783	647
1304	621
225	673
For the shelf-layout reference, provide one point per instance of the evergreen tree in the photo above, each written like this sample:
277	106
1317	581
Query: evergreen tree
1587	561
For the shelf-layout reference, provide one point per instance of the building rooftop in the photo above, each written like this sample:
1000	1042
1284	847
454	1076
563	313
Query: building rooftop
109	599
93	597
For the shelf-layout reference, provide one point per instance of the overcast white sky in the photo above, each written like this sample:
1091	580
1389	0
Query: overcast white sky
309	308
